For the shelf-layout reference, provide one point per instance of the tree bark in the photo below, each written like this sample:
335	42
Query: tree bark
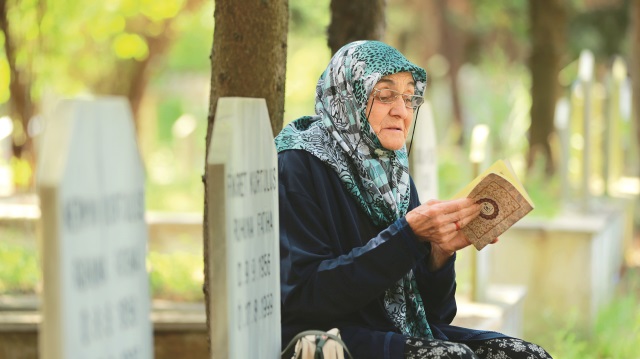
548	22
635	65
248	59
21	106
356	20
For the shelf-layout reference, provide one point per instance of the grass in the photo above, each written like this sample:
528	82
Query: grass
615	335
177	276
19	269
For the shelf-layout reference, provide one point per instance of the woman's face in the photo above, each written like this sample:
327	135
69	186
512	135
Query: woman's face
391	121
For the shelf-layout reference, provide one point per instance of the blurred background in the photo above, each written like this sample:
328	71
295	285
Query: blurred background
481	57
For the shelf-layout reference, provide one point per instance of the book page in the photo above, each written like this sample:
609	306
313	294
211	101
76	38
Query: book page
502	205
503	199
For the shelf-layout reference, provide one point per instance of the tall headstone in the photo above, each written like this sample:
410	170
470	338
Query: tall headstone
585	75
478	156
615	140
91	184
561	122
244	266
424	166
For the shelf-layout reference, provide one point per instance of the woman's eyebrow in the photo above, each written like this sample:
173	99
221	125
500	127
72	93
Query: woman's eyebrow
390	81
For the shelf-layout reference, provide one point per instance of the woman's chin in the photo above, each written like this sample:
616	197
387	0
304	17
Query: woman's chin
392	144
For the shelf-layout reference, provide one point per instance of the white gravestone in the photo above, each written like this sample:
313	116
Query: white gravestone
244	266
424	166
91	186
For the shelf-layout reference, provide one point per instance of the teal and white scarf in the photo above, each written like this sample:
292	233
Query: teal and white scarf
378	179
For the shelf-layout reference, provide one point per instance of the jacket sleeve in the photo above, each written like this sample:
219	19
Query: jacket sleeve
320	275
438	291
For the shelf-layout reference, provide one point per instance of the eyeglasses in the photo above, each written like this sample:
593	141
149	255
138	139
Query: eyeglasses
390	96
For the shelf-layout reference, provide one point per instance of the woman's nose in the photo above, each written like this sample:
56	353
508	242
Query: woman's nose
399	107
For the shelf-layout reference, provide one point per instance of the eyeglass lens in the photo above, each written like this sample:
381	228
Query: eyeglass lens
389	96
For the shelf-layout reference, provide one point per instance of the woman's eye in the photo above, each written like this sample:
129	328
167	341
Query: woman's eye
386	96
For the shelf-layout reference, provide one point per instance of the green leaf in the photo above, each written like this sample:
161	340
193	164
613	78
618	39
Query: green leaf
159	10
5	78
130	46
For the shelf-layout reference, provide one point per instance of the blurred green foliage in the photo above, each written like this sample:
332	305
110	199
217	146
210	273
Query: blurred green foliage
98	38
19	271
615	334
182	195
22	172
308	18
176	276
173	276
191	49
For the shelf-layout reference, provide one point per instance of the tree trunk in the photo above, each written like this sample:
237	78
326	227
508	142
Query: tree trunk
21	106
139	80
453	42
547	30
248	59
134	75
355	20
635	65
158	46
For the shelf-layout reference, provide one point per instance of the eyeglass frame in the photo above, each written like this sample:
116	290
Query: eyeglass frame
404	97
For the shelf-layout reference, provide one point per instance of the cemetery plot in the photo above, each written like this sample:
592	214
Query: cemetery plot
91	185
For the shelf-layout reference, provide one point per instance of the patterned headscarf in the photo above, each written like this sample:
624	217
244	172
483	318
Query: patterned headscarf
341	136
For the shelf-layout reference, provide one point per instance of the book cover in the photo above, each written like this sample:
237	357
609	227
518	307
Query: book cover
503	201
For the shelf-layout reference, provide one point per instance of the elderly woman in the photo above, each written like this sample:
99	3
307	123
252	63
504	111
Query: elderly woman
357	249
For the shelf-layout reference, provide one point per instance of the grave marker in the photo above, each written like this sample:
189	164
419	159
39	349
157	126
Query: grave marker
562	118
480	264
91	185
424	166
585	74
244	265
614	163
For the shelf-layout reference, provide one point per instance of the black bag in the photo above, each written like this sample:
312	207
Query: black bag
316	344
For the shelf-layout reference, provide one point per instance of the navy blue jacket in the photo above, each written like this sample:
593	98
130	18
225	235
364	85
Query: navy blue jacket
335	264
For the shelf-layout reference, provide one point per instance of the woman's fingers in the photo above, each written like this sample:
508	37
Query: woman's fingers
456	215
461	218
438	221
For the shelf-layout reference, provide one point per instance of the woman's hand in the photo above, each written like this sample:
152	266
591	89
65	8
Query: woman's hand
439	222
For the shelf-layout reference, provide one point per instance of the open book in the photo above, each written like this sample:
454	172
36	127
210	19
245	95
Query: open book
503	199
